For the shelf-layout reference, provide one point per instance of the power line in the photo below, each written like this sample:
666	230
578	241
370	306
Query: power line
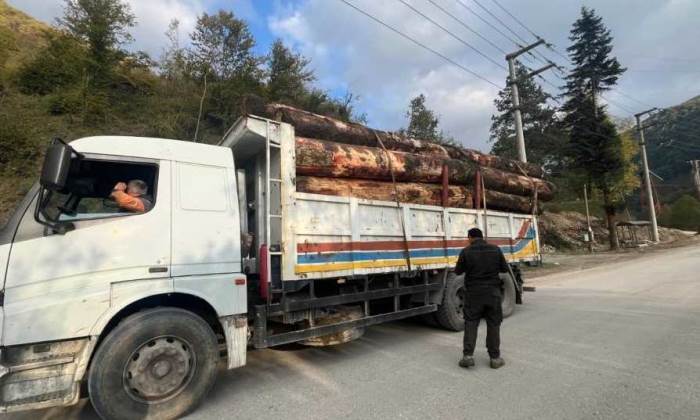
614	103
497	19
461	22
619	92
516	19
492	26
501	50
444	57
551	48
447	31
526	42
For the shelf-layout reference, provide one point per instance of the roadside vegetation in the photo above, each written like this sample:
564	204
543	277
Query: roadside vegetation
78	77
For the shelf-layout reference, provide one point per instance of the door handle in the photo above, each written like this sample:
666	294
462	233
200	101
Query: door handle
157	269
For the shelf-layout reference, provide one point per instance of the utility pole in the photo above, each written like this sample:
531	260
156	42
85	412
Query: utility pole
647	179
588	219
696	175
522	156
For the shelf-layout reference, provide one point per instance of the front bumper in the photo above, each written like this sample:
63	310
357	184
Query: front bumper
42	375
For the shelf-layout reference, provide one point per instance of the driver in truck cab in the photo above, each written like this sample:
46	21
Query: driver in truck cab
132	197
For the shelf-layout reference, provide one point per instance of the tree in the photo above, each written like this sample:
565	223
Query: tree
422	122
222	47
288	74
543	137
222	59
595	149
173	61
103	25
58	65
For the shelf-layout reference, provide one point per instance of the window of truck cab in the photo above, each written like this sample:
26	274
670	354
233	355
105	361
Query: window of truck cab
89	187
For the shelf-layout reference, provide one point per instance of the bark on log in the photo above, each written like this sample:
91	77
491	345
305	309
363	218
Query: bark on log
497	162
330	159
410	192
307	124
496	200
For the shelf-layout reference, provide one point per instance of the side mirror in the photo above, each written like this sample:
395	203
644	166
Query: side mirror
57	162
54	174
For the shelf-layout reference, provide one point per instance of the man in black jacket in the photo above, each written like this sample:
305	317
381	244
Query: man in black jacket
481	263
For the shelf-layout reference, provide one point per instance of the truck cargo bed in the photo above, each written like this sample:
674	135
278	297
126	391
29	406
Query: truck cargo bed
314	236
340	236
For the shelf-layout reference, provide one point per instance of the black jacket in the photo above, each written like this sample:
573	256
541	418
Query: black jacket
480	263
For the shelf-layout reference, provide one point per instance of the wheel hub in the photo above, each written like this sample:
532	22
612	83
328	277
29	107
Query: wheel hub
159	369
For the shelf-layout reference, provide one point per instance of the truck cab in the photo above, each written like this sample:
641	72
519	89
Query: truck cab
74	265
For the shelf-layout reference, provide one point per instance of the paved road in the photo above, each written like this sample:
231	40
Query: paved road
619	341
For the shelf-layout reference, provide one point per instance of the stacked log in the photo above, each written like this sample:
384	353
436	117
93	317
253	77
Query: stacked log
330	159
351	160
410	192
308	124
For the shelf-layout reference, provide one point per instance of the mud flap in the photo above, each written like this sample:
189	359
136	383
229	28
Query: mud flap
236	331
43	374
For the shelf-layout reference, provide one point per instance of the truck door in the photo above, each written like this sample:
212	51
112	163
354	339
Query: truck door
206	228
57	285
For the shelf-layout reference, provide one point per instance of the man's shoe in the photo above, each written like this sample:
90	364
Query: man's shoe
467	361
497	363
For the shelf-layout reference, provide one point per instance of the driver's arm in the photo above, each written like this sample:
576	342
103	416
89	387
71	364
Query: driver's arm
127	202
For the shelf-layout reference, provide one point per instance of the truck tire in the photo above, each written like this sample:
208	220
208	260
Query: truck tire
450	313
156	364
509	295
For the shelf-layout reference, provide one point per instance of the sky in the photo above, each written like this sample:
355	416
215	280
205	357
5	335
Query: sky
350	52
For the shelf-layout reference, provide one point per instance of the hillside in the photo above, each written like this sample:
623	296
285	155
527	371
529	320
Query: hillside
673	139
62	83
20	36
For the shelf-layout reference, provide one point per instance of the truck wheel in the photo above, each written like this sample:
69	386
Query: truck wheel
509	294
450	314
156	364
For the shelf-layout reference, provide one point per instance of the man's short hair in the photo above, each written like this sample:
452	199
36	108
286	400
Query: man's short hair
475	233
139	186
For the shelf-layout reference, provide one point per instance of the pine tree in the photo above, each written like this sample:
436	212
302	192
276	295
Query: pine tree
422	122
595	148
288	74
543	138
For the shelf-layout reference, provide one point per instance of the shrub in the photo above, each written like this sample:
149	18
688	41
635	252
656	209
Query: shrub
61	63
684	214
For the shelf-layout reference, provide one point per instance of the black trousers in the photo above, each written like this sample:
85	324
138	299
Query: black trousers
487	306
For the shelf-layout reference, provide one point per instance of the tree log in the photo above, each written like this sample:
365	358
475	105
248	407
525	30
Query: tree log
307	124
409	192
330	159
496	200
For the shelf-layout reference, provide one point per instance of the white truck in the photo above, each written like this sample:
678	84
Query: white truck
135	309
